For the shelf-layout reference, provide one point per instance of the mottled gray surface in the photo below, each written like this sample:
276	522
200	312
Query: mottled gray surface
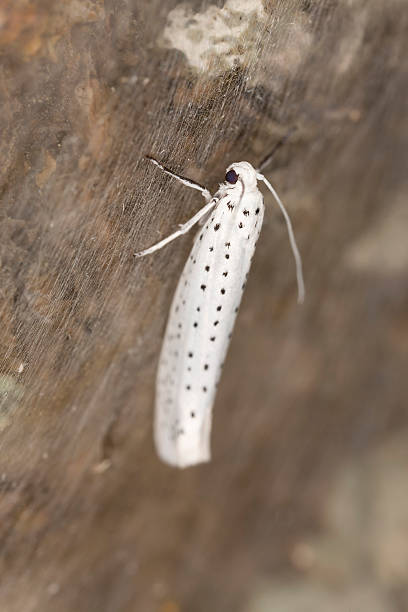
311	396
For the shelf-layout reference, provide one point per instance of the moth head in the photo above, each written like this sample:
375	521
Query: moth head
241	172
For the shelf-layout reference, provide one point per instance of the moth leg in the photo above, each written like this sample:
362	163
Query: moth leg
183	229
186	181
204	219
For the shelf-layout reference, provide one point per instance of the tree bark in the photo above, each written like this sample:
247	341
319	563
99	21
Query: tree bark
89	517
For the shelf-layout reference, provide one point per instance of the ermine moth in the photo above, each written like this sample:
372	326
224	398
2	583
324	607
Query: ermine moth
204	309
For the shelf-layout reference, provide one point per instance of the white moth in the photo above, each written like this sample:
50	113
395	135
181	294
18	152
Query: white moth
204	309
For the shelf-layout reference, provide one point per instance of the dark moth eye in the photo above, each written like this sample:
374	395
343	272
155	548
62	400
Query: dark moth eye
231	177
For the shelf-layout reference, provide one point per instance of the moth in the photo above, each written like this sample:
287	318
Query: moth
204	308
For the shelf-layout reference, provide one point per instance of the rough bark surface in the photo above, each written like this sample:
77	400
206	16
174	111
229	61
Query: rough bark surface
303	504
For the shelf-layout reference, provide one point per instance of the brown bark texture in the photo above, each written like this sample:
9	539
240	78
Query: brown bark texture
303	505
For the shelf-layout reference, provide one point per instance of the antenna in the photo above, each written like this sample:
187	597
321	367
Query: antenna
267	160
295	250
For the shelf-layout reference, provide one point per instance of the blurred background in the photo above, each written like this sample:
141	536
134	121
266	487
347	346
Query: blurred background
304	505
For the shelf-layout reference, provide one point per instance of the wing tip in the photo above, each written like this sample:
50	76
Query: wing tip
182	458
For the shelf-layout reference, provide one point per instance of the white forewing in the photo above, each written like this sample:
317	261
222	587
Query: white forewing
200	325
204	309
